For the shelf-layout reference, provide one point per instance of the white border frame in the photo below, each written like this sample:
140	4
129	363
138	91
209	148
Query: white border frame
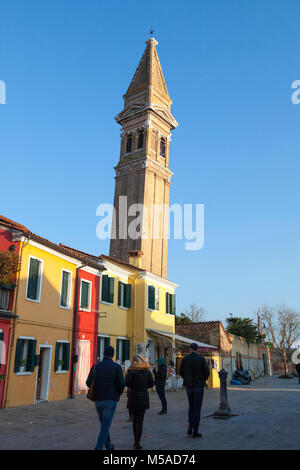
69	289
30	338
38	300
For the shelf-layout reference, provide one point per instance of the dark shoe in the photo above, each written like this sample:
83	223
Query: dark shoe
189	431
137	446
197	434
111	448
163	412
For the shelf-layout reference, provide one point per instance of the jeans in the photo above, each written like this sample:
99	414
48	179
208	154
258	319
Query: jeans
161	393
195	397
105	410
137	424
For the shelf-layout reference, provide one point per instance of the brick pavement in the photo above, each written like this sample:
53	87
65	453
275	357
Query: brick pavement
268	418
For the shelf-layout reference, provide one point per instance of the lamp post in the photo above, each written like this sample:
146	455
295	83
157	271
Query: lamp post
223	412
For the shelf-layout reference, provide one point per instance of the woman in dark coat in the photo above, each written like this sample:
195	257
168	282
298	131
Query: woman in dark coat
138	380
160	375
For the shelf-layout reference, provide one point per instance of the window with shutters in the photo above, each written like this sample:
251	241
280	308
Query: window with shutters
25	356
62	357
102	342
65	294
34	279
85	295
124	295
170	303
123	350
107	289
153	298
162	147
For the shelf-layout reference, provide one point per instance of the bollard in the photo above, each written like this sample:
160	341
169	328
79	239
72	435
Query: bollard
223	412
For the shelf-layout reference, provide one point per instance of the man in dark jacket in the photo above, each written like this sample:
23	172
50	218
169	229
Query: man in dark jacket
194	371
109	385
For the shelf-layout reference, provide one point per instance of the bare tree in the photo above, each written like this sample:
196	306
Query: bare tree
195	313
281	327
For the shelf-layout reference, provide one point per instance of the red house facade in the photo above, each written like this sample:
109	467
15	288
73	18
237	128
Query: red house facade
8	247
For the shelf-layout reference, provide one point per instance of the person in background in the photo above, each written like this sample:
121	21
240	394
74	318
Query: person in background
109	385
195	372
160	375
298	370
138	380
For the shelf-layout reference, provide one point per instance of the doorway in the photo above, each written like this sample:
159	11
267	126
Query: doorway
83	365
43	374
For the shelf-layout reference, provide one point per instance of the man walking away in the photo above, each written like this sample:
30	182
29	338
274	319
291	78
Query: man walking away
109	385
160	375
194	371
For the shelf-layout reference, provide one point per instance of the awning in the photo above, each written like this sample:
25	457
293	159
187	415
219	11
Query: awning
182	339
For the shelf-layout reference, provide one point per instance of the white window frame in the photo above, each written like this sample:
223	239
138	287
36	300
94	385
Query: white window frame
171	293
103	336
90	295
124	339
124	284
68	307
156	290
38	300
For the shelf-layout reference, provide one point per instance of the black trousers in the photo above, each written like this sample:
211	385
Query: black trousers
137	424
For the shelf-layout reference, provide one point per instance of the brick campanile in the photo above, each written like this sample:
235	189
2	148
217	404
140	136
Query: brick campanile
142	173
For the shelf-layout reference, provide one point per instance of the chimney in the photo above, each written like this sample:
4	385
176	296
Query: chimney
135	258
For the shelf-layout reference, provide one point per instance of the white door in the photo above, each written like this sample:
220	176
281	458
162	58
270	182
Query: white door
83	365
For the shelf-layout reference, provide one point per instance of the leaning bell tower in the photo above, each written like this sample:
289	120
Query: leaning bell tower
142	173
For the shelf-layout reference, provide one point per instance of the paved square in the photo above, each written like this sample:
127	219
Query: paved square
268	418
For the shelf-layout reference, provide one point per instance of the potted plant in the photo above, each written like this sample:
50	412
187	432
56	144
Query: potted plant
60	364
22	365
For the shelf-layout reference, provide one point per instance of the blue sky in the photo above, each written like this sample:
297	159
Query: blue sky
228	66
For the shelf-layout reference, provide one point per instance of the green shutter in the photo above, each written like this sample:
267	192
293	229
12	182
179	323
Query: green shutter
33	279
98	348
84	294
66	356
31	355
64	289
120	294
151	297
128	295
111	289
56	356
18	355
173	304
126	350
1	337
106	341
104	289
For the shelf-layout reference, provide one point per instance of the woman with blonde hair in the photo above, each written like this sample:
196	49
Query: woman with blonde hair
138	380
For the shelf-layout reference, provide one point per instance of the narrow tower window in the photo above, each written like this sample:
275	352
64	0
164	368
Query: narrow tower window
129	144
140	140
162	147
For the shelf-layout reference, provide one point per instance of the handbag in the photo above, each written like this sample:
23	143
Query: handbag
91	391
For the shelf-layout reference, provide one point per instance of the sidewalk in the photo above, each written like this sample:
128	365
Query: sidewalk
268	418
